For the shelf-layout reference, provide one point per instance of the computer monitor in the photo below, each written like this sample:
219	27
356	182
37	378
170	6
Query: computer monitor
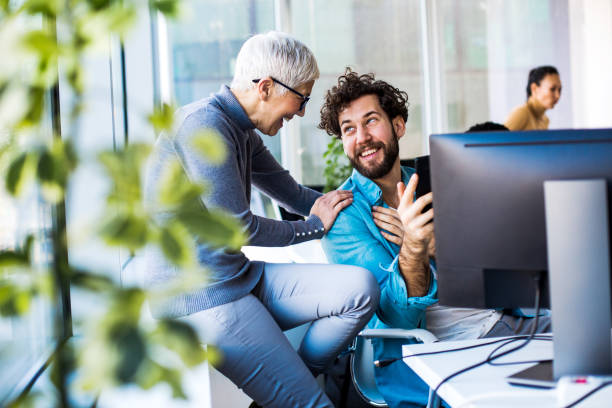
491	231
489	208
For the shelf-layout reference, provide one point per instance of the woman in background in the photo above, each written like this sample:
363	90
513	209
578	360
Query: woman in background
543	93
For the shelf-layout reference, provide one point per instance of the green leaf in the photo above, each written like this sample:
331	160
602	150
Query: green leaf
213	226
181	338
54	167
99	4
91	281
154	373
337	167
176	244
14	300
170	8
49	8
42	42
175	186
36	107
210	145
130	345
162	118
124	168
119	17
12	258
19	257
126	230
127	304
19	174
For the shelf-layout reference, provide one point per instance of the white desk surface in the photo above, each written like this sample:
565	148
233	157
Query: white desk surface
486	385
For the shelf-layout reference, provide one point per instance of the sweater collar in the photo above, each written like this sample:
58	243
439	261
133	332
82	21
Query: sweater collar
370	189
536	107
229	104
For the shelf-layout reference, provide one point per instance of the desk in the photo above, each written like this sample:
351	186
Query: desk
484	386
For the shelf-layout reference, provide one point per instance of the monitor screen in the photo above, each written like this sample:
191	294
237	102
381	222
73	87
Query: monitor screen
489	208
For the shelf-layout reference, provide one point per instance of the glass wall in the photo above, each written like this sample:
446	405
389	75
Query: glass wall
461	62
486	49
379	36
204	44
27	341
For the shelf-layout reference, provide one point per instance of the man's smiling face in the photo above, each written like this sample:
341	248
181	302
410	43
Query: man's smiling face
369	137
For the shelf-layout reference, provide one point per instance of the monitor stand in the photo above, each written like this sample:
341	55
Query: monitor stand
579	274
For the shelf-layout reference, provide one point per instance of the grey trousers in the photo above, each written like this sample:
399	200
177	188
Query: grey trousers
511	325
338	299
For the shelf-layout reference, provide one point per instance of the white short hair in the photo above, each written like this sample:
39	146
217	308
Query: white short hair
274	54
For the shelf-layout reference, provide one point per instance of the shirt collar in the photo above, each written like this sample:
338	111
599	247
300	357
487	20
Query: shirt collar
370	189
230	105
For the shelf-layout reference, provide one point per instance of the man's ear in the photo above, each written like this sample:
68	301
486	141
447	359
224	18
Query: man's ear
399	125
264	88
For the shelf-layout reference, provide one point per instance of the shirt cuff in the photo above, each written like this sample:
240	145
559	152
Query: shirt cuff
397	309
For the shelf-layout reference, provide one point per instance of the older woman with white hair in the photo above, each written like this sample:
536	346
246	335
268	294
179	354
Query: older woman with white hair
246	304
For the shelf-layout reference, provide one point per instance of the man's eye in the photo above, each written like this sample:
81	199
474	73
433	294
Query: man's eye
371	120
348	129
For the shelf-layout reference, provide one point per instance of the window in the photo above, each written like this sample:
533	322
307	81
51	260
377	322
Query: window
204	44
486	51
461	62
383	37
27	341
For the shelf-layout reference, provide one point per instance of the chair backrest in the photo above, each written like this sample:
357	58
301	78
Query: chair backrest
362	359
362	372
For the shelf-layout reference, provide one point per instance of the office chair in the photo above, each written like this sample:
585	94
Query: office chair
362	362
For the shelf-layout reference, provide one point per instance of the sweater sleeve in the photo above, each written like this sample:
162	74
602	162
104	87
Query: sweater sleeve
276	182
518	118
227	189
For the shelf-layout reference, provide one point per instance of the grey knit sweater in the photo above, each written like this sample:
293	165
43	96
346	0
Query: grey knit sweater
231	275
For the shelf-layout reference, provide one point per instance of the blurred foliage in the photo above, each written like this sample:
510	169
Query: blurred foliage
118	346
337	167
162	118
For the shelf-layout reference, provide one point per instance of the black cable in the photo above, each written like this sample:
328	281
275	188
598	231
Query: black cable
536	337
588	394
493	357
386	362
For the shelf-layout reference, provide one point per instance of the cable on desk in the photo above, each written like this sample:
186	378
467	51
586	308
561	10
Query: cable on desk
588	394
493	357
544	337
509	341
480	397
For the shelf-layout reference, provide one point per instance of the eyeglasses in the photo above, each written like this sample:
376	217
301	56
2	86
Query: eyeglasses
305	98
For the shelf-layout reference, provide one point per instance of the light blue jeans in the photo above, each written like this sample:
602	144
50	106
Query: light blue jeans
338	299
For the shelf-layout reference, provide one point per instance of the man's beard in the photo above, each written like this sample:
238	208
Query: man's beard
390	156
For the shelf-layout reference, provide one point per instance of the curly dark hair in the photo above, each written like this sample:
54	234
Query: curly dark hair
352	86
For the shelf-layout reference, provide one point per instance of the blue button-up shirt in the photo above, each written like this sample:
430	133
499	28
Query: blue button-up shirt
355	239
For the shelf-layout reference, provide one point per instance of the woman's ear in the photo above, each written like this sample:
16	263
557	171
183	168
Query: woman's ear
399	125
533	86
264	88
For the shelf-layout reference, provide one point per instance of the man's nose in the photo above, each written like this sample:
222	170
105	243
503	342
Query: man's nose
362	135
302	112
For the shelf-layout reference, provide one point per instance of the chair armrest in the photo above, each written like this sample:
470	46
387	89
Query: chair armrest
421	335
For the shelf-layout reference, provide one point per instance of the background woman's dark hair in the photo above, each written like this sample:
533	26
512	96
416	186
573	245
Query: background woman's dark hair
352	86
537	74
487	127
